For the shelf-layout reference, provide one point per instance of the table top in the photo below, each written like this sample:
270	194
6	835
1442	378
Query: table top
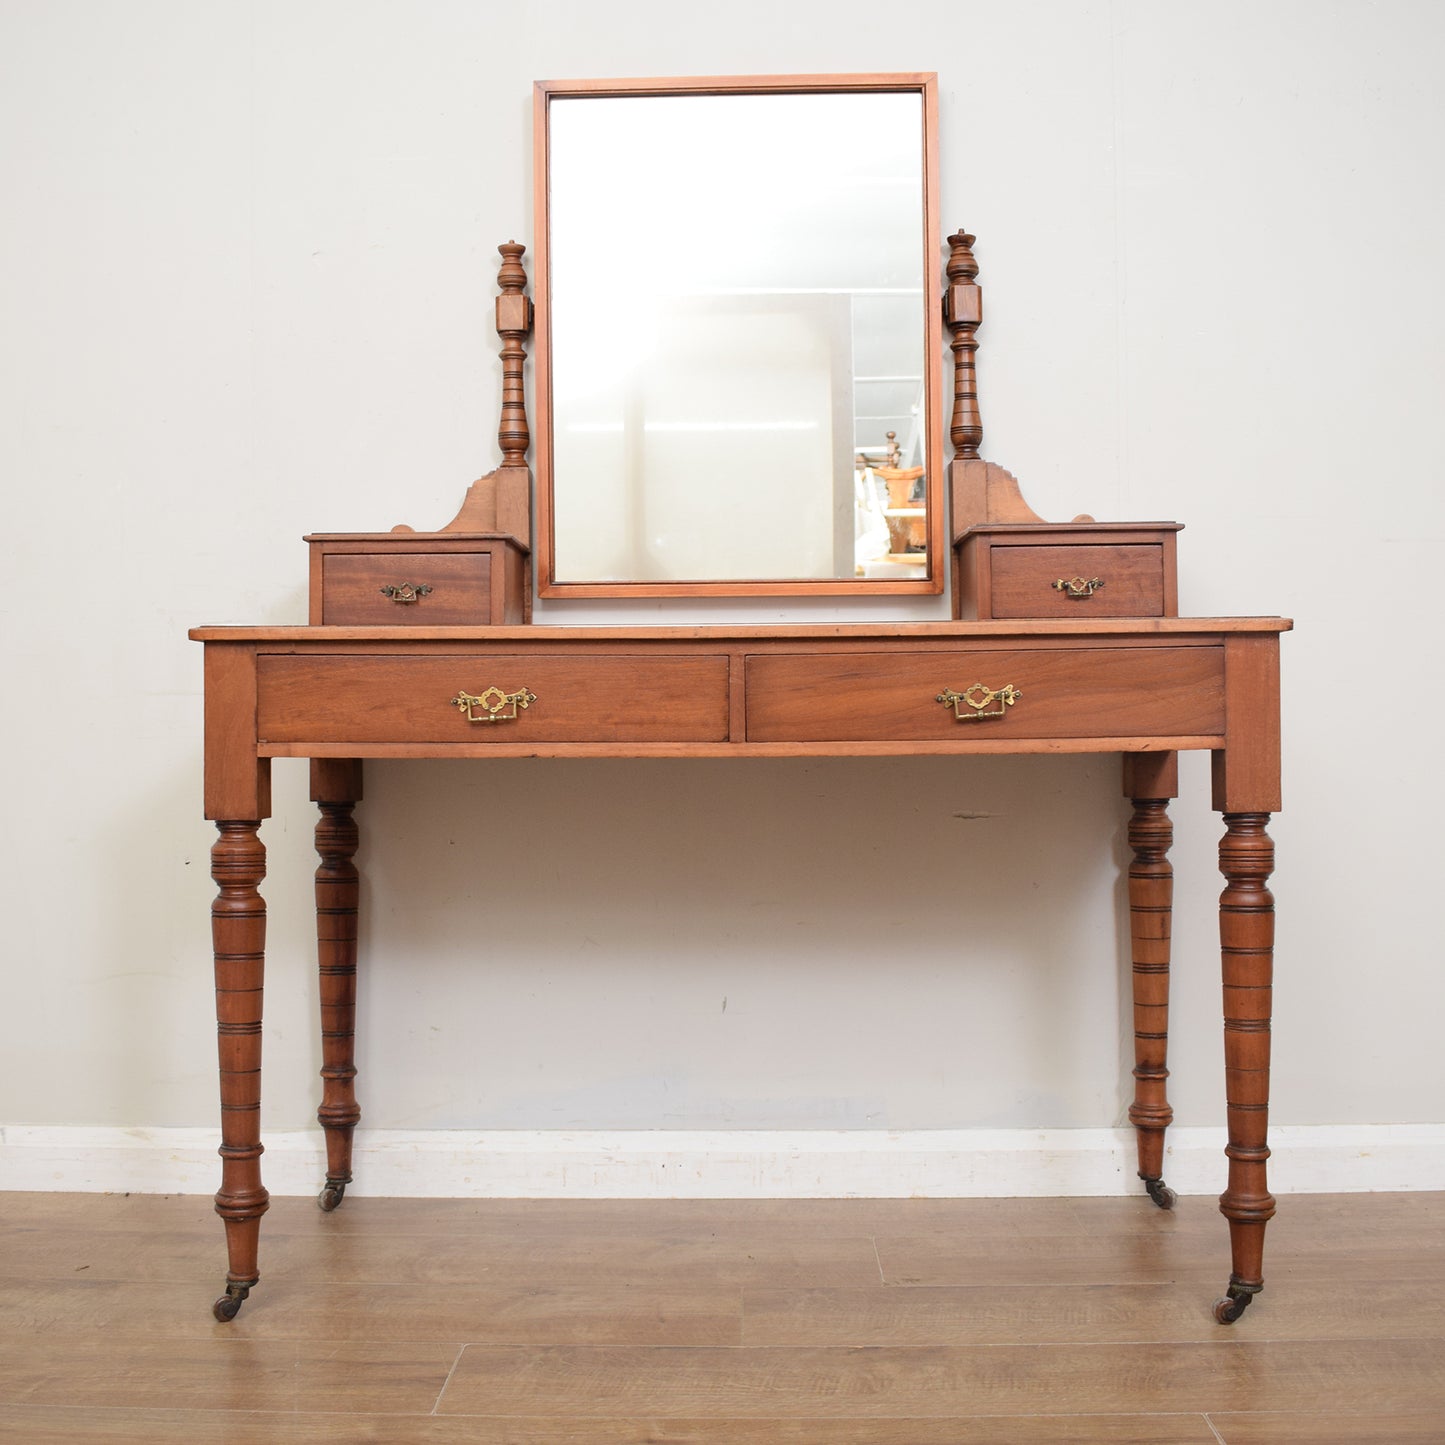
860	631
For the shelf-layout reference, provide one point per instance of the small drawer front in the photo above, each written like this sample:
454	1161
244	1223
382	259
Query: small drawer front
1027	693
491	698
435	589
1110	581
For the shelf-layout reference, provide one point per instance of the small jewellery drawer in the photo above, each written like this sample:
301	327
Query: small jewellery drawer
972	695
491	698
414	579
1078	581
1078	570
438	589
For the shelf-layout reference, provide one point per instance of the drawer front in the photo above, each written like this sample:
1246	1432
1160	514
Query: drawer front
457	589
516	698
1130	578
1085	692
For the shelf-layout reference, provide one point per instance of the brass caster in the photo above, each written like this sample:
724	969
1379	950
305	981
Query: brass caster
228	1306
1234	1304
1160	1192
332	1193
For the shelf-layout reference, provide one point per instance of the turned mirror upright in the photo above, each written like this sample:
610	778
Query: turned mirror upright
738	342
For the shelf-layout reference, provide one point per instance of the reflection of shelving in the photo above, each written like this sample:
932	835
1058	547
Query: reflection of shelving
888	385
870	423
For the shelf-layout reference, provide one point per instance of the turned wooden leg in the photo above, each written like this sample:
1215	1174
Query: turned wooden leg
1246	934
336	786
238	931
1151	899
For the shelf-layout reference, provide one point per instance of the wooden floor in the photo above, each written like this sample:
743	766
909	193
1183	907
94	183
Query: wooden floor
972	1322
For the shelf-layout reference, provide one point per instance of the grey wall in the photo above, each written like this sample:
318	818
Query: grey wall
247	269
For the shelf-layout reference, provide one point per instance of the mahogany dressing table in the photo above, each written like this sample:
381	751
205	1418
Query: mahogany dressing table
378	673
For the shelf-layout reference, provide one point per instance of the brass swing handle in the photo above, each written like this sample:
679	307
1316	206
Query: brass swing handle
492	705
1077	588
981	702
406	591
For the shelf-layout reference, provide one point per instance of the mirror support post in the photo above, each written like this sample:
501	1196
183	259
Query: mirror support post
979	491
962	314
501	501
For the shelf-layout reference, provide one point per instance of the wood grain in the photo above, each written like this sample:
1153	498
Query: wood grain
459	588
1158	1250
760	1322
1425	1427
1132	579
944	1382
579	697
627	1314
193	1427
1116	1313
123	1372
1065	693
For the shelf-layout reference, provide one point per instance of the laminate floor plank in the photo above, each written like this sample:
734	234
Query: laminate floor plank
638	1262
117	1255
948	1381
1365	1214
688	1218
1153	1255
1390	1428
119	1372
360	1258
991	1322
193	1427
1089	1313
298	1310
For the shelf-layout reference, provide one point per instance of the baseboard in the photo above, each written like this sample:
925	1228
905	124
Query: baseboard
725	1164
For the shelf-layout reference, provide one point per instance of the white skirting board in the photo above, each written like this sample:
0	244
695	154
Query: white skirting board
724	1164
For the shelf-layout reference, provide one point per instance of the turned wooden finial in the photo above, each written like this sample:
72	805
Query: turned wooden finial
514	322
962	313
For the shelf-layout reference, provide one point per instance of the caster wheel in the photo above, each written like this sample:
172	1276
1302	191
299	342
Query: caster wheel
228	1306
1161	1193
332	1193
1229	1309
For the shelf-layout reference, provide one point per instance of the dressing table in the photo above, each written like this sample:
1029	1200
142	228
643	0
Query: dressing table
1065	639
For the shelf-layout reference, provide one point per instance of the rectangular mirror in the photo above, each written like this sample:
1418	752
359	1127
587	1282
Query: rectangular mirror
739	339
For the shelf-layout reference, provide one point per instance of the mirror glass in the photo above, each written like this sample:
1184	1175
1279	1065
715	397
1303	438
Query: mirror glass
737	344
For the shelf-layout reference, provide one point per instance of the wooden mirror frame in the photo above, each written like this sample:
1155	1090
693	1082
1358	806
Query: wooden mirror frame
922	83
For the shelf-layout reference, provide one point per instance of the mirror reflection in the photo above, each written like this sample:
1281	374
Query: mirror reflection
737	337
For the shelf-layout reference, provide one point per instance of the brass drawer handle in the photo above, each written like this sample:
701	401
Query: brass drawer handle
491	702
1077	588
406	591
979	699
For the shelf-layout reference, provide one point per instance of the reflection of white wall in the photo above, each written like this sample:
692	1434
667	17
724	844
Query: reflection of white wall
247	261
715	455
631	177
660	201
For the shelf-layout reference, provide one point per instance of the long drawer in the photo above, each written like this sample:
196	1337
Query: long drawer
502	698
952	695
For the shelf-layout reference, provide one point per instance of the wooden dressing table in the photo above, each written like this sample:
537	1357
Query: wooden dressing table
1141	686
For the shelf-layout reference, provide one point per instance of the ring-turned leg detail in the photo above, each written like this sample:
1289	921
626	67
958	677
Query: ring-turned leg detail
337	895
1151	899
238	932
1246	935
